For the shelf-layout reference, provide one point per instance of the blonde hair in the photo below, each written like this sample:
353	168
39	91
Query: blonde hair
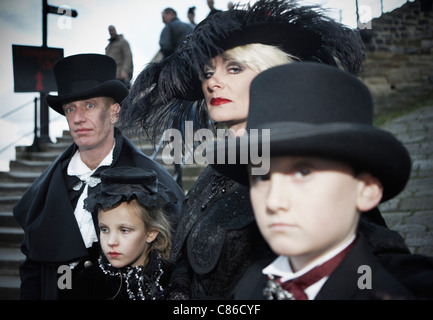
259	57
154	219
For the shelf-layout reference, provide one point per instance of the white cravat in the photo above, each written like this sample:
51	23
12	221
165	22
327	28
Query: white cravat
84	218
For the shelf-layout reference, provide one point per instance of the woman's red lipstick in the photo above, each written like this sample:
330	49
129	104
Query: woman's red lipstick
219	101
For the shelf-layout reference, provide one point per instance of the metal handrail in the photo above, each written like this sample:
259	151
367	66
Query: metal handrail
26	134
16	109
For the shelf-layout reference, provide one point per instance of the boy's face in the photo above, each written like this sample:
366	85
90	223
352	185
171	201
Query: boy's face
306	206
123	236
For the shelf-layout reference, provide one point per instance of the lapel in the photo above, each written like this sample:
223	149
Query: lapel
343	282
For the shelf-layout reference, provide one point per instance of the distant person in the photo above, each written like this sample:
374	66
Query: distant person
210	4
58	230
120	51
230	5
173	33
191	16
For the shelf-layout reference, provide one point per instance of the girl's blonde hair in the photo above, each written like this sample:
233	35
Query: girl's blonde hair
259	57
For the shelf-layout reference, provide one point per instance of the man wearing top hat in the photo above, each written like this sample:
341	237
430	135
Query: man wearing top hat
58	230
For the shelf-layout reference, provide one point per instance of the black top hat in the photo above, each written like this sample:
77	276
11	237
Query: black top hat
313	109
166	92
122	184
85	76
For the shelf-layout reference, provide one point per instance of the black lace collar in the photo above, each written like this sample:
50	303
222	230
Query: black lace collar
142	283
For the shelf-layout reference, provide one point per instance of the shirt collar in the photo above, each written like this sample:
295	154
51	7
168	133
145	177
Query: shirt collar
280	267
78	168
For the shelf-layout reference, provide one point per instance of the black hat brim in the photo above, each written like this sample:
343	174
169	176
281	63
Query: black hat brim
112	88
363	147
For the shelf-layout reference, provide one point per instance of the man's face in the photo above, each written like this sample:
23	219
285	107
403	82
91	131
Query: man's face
91	121
112	31
167	17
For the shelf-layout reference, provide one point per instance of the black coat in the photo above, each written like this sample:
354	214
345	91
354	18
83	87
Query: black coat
46	213
217	239
342	284
102	281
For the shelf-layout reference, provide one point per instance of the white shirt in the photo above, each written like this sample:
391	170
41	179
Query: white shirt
280	267
84	218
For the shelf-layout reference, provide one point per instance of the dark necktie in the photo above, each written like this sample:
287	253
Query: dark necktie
297	286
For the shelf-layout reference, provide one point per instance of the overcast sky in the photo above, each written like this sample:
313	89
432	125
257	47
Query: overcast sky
138	20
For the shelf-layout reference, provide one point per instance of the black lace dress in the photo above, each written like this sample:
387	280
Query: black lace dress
105	282
217	239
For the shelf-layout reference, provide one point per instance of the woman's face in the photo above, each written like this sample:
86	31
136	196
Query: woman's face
226	87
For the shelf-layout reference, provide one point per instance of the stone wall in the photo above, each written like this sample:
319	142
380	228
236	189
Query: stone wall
399	48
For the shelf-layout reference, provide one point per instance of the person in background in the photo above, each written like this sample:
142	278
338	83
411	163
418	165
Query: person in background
58	230
191	16
211	5
119	49
174	32
135	237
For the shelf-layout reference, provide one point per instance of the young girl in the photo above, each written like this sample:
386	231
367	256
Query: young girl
135	238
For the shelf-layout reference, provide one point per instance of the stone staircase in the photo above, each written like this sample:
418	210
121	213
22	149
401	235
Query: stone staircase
23	171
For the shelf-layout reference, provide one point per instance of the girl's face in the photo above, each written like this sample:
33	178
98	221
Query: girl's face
226	87
307	206
124	237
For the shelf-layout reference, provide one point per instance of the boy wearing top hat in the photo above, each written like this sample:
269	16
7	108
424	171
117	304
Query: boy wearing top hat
328	165
58	229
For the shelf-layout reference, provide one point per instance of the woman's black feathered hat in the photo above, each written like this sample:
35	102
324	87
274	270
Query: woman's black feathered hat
168	92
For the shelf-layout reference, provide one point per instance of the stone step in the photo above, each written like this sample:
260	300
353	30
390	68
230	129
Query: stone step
10	261
13	188
36	156
7	202
10	287
19	176
57	147
52	153
28	165
7	220
11	237
64	140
